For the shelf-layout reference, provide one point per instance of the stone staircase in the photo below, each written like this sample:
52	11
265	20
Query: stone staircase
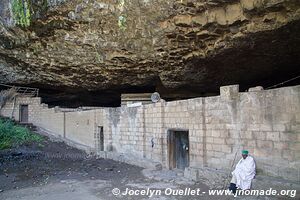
30	126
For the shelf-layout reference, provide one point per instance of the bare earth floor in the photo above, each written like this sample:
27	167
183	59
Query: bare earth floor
54	171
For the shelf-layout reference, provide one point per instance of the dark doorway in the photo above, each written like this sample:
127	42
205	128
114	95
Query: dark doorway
24	113
100	138
178	148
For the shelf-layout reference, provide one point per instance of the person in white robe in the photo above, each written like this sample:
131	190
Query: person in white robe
244	172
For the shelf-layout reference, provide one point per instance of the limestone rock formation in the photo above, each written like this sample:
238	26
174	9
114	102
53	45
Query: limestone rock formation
181	48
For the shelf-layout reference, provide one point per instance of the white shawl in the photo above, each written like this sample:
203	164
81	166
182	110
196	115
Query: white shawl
244	173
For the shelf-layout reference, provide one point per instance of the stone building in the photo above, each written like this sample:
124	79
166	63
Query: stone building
188	134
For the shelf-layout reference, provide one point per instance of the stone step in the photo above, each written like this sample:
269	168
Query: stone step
30	126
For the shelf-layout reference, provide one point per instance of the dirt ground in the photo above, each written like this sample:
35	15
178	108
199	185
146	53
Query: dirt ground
54	171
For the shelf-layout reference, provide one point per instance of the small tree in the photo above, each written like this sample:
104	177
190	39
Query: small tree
7	95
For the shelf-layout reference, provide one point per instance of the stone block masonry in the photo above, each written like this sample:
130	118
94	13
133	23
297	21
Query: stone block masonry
266	122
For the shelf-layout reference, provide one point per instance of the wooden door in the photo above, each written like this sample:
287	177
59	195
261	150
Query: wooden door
178	149
24	113
171	150
101	142
182	149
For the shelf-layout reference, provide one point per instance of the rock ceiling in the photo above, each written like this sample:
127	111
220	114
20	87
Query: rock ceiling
90	51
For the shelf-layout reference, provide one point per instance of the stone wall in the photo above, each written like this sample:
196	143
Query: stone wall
70	124
35	108
81	126
267	123
264	122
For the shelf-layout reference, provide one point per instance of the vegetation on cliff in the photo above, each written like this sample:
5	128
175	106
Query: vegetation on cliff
21	12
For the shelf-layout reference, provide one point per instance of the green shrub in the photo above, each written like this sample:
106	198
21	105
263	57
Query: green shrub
13	135
21	12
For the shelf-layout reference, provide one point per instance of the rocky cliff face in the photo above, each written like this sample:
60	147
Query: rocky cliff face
181	48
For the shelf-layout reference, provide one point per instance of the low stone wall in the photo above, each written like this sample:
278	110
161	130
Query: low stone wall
267	123
76	126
